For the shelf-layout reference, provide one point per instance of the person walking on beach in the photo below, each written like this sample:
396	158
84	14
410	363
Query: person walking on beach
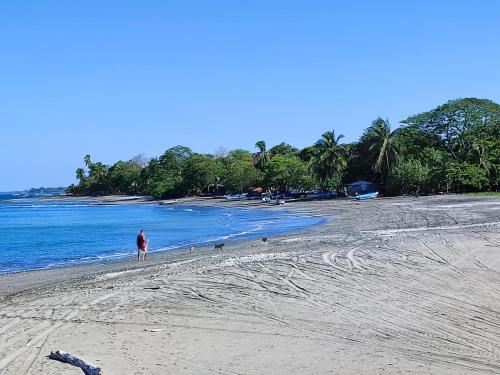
142	245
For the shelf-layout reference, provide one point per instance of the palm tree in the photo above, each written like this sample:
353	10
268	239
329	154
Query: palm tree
261	157
439	168
87	161
330	157
80	174
99	171
383	146
483	158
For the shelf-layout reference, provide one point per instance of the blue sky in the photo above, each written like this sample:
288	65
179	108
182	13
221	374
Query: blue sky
117	78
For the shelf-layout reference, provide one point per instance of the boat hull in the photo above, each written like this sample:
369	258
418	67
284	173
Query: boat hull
363	197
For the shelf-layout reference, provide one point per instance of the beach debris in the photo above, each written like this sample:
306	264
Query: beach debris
219	246
192	249
70	359
264	239
152	287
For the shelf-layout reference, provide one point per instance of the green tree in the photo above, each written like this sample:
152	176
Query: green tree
98	176
201	172
437	161
82	186
308	153
454	147
88	161
466	177
382	147
165	174
408	177
283	149
284	172
453	120
329	160
412	141
80	175
240	154
240	175
484	161
261	157
124	177
95	182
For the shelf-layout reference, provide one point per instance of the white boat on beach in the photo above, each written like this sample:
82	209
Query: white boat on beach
235	197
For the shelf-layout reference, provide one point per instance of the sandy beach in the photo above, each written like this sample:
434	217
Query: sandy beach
389	286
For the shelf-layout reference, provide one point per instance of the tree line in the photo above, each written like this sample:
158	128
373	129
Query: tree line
452	148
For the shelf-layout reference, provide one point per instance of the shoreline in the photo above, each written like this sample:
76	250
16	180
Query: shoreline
21	281
392	285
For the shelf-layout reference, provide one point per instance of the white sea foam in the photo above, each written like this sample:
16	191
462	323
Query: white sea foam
261	257
425	229
112	275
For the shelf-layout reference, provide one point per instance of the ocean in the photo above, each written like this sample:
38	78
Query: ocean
37	234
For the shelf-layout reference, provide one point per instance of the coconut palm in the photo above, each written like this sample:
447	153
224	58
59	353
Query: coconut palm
483	159
330	157
80	174
87	161
261	157
382	145
99	171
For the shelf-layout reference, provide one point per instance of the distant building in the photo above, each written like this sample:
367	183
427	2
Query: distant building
361	187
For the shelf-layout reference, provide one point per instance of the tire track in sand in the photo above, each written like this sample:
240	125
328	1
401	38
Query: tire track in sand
45	333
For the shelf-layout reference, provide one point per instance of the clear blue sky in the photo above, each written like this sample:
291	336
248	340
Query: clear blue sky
117	78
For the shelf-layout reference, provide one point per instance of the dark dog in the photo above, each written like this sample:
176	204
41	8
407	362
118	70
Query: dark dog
219	246
264	239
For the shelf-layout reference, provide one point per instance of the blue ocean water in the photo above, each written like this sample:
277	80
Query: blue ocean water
38	234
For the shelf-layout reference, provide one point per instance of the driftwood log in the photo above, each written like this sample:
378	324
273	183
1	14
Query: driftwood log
86	367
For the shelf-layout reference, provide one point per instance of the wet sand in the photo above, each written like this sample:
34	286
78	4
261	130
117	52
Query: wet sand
389	286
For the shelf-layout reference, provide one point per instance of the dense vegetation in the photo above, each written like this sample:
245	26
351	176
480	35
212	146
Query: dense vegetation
452	148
